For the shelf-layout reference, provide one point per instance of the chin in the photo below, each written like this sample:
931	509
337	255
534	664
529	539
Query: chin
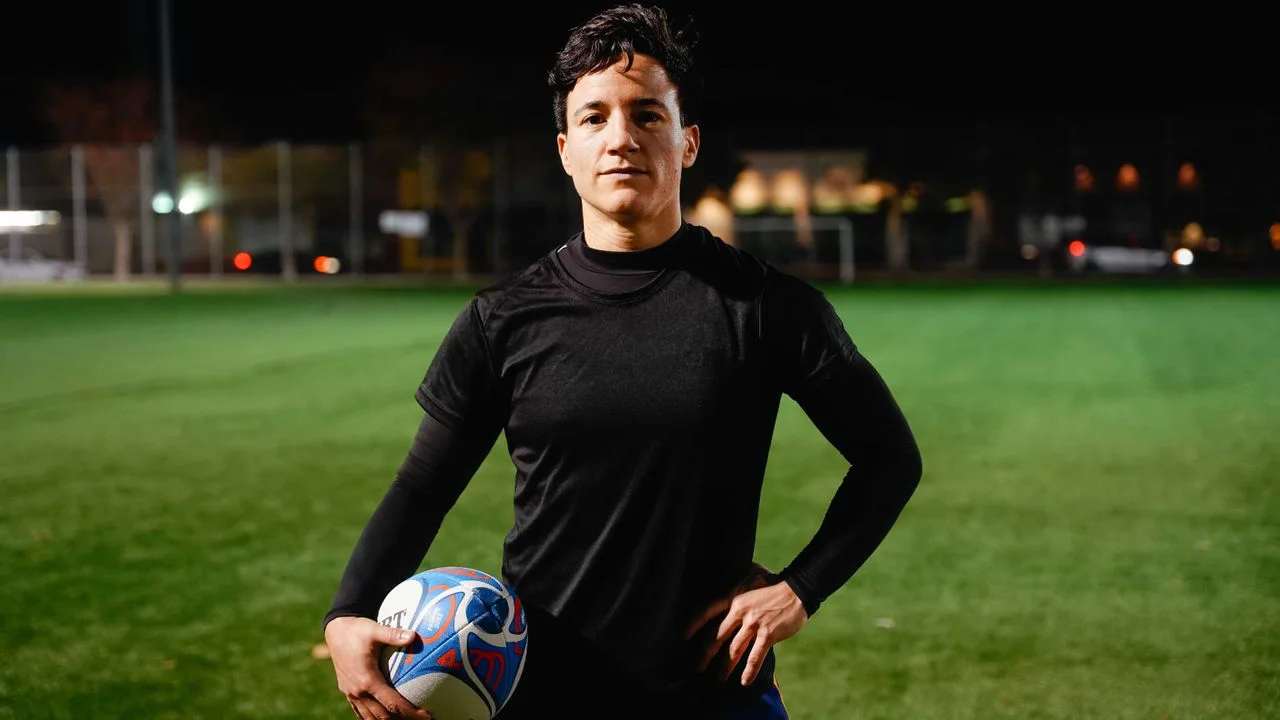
623	205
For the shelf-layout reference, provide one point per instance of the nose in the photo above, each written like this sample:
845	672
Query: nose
620	137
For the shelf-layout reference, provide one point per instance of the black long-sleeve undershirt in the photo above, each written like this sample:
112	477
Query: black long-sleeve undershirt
435	471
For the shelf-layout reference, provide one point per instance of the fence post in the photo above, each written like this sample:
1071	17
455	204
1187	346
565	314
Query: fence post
146	215
356	239
284	182
215	211
11	164
79	230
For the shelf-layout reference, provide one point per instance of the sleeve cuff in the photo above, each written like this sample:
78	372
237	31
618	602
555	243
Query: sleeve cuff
334	615
807	598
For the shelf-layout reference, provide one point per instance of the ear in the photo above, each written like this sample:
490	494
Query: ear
692	140
564	159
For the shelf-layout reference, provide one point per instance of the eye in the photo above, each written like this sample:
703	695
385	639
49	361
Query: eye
648	116
593	119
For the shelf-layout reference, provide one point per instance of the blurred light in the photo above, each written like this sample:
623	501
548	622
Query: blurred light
910	203
193	201
1084	179
712	213
790	192
1029	252
327	265
405	223
957	204
1127	178
242	261
1275	236
1182	256
1192	235
1076	248
27	219
749	192
1188	179
162	203
1213	244
834	191
868	195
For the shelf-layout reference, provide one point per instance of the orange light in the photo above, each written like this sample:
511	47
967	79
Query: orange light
1275	235
320	263
242	261
1076	248
1187	177
1127	177
1084	179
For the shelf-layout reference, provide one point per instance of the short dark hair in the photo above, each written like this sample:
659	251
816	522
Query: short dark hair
625	31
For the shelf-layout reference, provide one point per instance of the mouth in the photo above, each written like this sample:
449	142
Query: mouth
624	171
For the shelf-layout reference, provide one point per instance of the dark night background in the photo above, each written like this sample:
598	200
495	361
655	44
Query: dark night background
1005	98
849	75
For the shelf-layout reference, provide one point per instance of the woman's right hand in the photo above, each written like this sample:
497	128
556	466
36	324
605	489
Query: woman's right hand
355	645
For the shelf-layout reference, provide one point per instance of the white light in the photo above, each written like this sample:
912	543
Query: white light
1182	256
162	203
193	200
25	219
406	223
332	265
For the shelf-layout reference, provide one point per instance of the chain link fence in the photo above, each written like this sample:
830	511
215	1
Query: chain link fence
287	209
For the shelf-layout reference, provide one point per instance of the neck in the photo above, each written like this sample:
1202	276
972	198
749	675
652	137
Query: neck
603	232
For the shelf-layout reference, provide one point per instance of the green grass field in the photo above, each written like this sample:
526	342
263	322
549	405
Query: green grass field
1097	534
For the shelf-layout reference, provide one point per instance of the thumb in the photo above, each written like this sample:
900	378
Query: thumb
396	636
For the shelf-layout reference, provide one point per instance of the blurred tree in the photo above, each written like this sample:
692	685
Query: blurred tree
110	119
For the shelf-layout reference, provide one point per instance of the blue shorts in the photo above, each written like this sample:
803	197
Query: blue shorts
768	706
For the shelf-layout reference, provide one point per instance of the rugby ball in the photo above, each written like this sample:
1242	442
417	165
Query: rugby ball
470	646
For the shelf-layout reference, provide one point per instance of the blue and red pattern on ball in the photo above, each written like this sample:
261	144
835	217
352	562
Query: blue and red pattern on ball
492	609
496	666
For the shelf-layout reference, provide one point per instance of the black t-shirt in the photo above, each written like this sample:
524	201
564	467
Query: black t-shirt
638	394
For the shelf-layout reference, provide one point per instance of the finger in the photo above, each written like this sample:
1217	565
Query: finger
370	709
707	616
355	709
727	627
756	660
737	649
388	635
393	701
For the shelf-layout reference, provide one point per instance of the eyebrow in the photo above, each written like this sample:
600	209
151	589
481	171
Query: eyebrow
600	104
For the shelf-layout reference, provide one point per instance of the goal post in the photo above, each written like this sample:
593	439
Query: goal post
782	240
